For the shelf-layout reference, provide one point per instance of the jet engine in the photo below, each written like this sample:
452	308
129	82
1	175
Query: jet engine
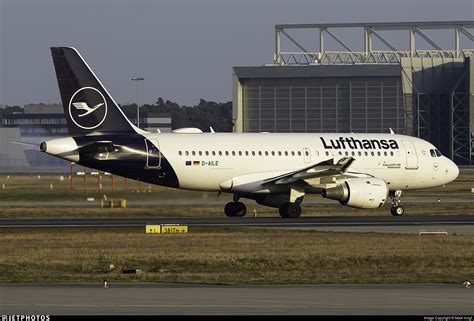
359	192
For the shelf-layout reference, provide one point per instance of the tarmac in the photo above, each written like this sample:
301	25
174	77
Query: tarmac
186	299
452	224
213	201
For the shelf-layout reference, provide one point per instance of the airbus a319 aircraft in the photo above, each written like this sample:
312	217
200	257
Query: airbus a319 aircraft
276	170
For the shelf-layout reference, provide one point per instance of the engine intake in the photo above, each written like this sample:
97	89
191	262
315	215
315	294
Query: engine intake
359	192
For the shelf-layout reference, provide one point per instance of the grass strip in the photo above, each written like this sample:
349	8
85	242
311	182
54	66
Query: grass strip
233	256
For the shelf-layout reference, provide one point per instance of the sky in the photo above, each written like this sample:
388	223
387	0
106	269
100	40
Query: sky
185	49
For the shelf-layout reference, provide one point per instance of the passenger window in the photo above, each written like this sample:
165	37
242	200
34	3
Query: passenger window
266	153
186	153
279	153
359	153
346	153
366	154
273	153
246	153
353	153
299	153
432	152
391	153
292	153
240	153
226	153
207	153
213	153
200	153
286	153
306	153
378	154
233	153
194	153
259	153
340	153
180	153
385	153
253	153
372	153
220	153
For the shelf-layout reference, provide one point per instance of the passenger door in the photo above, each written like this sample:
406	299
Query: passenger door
410	154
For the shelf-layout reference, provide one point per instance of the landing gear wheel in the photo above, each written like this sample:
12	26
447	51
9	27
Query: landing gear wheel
282	210
290	210
241	209
235	209
397	210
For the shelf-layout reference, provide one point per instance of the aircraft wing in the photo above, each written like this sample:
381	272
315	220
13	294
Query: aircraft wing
326	168
310	175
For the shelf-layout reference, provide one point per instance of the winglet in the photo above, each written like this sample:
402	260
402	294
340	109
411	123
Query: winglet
391	131
212	130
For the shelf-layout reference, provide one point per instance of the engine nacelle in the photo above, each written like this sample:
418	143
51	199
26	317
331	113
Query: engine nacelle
359	192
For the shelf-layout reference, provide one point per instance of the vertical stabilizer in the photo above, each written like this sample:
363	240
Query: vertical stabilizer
88	107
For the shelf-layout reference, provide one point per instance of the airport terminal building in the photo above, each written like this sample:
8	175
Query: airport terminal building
428	93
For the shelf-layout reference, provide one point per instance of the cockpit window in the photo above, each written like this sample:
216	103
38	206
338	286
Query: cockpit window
435	153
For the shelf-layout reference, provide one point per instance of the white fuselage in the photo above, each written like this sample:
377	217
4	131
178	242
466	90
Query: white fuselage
206	161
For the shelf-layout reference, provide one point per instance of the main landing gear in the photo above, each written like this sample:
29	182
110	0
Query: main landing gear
235	208
397	209
290	210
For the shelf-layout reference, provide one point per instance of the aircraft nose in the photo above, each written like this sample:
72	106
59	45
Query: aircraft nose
452	170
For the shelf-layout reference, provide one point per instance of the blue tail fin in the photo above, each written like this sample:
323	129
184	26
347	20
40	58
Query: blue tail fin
88	107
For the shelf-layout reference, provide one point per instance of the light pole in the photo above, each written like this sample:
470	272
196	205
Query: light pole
137	79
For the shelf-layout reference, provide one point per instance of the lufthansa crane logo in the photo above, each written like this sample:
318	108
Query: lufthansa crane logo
88	108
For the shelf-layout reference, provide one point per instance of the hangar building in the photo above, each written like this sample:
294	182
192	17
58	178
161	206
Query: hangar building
428	93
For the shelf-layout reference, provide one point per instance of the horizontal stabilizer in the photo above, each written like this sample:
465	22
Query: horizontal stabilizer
97	147
25	144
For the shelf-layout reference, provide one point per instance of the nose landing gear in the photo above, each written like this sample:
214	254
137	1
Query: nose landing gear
397	209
